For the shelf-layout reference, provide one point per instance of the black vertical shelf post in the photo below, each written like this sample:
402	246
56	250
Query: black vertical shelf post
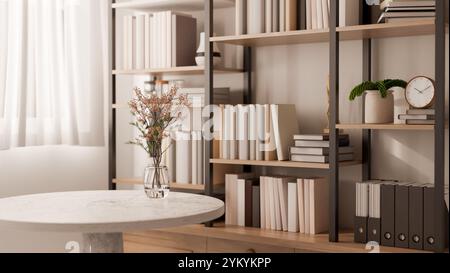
439	134
334	133
112	100
367	133
209	90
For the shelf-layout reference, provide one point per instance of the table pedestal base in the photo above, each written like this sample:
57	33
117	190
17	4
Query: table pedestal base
102	243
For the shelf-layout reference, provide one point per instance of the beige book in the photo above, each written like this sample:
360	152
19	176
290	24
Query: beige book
282	184
285	126
269	137
277	204
306	202
291	15
318	198
263	200
231	198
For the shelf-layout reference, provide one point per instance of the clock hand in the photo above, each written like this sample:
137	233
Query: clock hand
421	92
426	89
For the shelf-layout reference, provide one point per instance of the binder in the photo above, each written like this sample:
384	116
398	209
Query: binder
429	242
387	214
362	213
416	220
374	221
402	215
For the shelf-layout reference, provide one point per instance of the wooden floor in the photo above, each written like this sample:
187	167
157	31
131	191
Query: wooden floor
198	238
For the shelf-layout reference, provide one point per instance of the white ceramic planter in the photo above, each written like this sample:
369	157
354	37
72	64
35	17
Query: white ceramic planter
379	110
200	56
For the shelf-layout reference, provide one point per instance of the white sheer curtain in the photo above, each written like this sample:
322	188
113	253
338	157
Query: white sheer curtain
54	72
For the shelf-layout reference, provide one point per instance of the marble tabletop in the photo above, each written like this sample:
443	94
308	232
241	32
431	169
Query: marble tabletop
106	211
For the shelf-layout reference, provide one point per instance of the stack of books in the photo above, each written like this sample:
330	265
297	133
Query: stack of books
401	11
158	40
419	117
316	148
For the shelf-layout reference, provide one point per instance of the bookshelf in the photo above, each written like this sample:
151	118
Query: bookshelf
336	239
176	186
183	70
333	36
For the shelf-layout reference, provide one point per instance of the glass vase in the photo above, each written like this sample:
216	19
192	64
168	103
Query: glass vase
156	182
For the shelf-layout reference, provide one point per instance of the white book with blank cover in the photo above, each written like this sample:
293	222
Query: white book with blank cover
242	131
283	193
183	153
275	15
282	17
241	202
325	14
301	205
140	42
293	207
241	17
260	127
262	198
268	10
307	205
232	133
277	205
308	14
285	126
125	38
319	14
252	131
255	16
147	40
271	207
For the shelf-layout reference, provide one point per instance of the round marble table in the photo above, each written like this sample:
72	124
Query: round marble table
102	216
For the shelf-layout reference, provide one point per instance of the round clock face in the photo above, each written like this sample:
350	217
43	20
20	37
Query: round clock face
420	92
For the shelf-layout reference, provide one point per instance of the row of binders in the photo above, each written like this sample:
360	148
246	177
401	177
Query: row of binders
277	203
397	214
185	154
266	16
159	40
256	132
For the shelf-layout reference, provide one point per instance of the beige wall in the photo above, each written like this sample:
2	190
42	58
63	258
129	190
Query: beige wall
284	74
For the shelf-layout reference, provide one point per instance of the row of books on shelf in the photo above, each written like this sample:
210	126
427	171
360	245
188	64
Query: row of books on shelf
256	132
277	203
316	148
403	11
159	40
266	16
419	117
397	214
184	157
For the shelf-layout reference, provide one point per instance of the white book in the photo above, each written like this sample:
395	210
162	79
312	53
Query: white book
200	164
309	14
241	16
283	194
242	131
255	16
194	160
241	202
153	41
307	208
161	41
231	199
319	14
314	23
277	205
269	204
171	160
125	43
282	16
268	9
263	201
275	15
301	205
325	14
285	126
271	208
252	131
140	42
319	196
147	39
260	127
168	32
131	42
293	207
224	134
183	153
232	134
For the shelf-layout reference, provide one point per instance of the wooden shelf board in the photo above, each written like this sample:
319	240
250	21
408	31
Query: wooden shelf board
306	243
386	127
401	29
285	164
175	5
182	70
138	181
276	38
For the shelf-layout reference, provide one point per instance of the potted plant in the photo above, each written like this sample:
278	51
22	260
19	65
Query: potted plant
154	114
379	100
